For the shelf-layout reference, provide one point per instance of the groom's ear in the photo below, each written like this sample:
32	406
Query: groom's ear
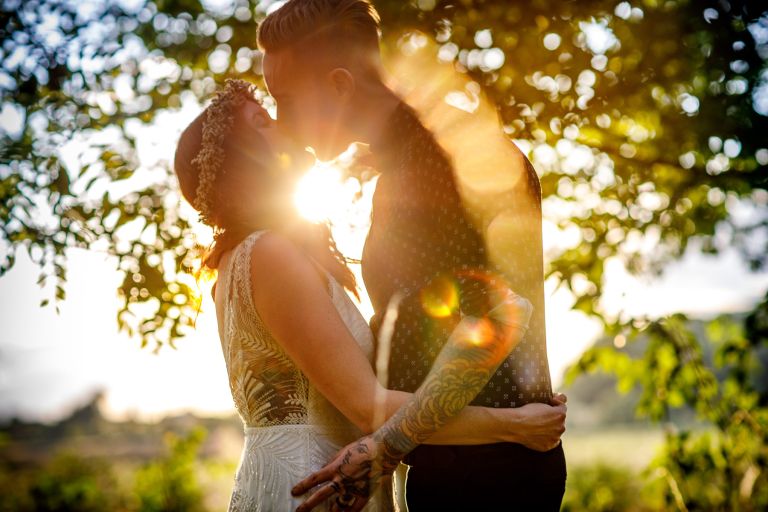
342	83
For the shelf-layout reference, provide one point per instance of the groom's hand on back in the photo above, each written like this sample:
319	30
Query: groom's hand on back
540	426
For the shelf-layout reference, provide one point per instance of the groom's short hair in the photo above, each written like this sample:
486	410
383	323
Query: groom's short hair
335	29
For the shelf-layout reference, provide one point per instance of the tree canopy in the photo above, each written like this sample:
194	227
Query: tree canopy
645	120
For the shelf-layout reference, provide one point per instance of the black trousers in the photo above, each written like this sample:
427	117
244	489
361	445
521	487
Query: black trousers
500	476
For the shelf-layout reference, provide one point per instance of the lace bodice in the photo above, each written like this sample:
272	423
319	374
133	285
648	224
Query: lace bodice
267	388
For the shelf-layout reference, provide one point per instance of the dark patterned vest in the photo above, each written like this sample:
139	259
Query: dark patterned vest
420	233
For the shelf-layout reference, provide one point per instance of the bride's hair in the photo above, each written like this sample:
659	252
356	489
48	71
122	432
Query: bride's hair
203	165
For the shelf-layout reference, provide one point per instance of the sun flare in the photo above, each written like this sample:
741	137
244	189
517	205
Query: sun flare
320	193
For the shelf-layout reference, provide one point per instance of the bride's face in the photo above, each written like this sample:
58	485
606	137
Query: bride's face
268	163
291	157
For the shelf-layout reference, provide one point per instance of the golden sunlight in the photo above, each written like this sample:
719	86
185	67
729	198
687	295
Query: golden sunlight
320	193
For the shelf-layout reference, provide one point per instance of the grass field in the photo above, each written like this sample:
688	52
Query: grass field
629	447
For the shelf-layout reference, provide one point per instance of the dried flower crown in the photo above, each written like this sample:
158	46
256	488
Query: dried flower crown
217	126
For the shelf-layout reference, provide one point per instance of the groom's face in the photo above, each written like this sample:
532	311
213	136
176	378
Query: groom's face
309	108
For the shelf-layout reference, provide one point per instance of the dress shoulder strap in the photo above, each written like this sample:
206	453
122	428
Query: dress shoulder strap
239	278
239	282
326	276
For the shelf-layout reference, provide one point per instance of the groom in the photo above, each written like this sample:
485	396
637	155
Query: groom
322	66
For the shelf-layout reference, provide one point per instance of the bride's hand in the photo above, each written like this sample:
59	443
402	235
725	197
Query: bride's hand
349	479
538	426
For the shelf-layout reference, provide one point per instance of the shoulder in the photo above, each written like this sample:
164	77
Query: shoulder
273	252
276	261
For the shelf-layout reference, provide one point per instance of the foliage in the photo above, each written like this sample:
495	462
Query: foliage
70	482
653	129
89	76
170	484
717	469
67	483
604	488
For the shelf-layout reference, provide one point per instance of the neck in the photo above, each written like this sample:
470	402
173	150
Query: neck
374	107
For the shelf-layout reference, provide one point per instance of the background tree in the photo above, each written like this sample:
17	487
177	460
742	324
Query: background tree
645	120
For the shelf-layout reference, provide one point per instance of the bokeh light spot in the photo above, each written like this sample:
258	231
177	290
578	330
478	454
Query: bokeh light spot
440	299
478	332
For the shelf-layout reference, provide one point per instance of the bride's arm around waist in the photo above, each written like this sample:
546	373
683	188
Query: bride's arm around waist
292	300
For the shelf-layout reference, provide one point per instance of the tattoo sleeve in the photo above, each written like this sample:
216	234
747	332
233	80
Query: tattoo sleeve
466	363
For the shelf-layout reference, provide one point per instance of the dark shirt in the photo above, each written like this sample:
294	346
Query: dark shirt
421	231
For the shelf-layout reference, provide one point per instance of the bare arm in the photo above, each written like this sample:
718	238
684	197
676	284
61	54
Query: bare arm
471	354
283	281
537	426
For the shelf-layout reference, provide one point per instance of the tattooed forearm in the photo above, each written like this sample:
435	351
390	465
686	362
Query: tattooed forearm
462	368
460	371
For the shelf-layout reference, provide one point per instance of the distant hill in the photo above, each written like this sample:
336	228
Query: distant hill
86	432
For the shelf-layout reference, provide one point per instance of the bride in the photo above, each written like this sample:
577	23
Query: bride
298	352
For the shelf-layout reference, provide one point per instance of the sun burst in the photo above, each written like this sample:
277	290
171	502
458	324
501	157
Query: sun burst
320	193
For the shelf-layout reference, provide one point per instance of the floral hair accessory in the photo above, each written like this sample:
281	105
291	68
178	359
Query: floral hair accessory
219	119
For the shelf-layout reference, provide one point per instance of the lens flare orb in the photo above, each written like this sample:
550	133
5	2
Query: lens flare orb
440	299
478	332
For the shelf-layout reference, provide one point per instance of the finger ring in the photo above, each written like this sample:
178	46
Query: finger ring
345	500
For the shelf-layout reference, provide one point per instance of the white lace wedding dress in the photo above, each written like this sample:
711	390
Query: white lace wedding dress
291	430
